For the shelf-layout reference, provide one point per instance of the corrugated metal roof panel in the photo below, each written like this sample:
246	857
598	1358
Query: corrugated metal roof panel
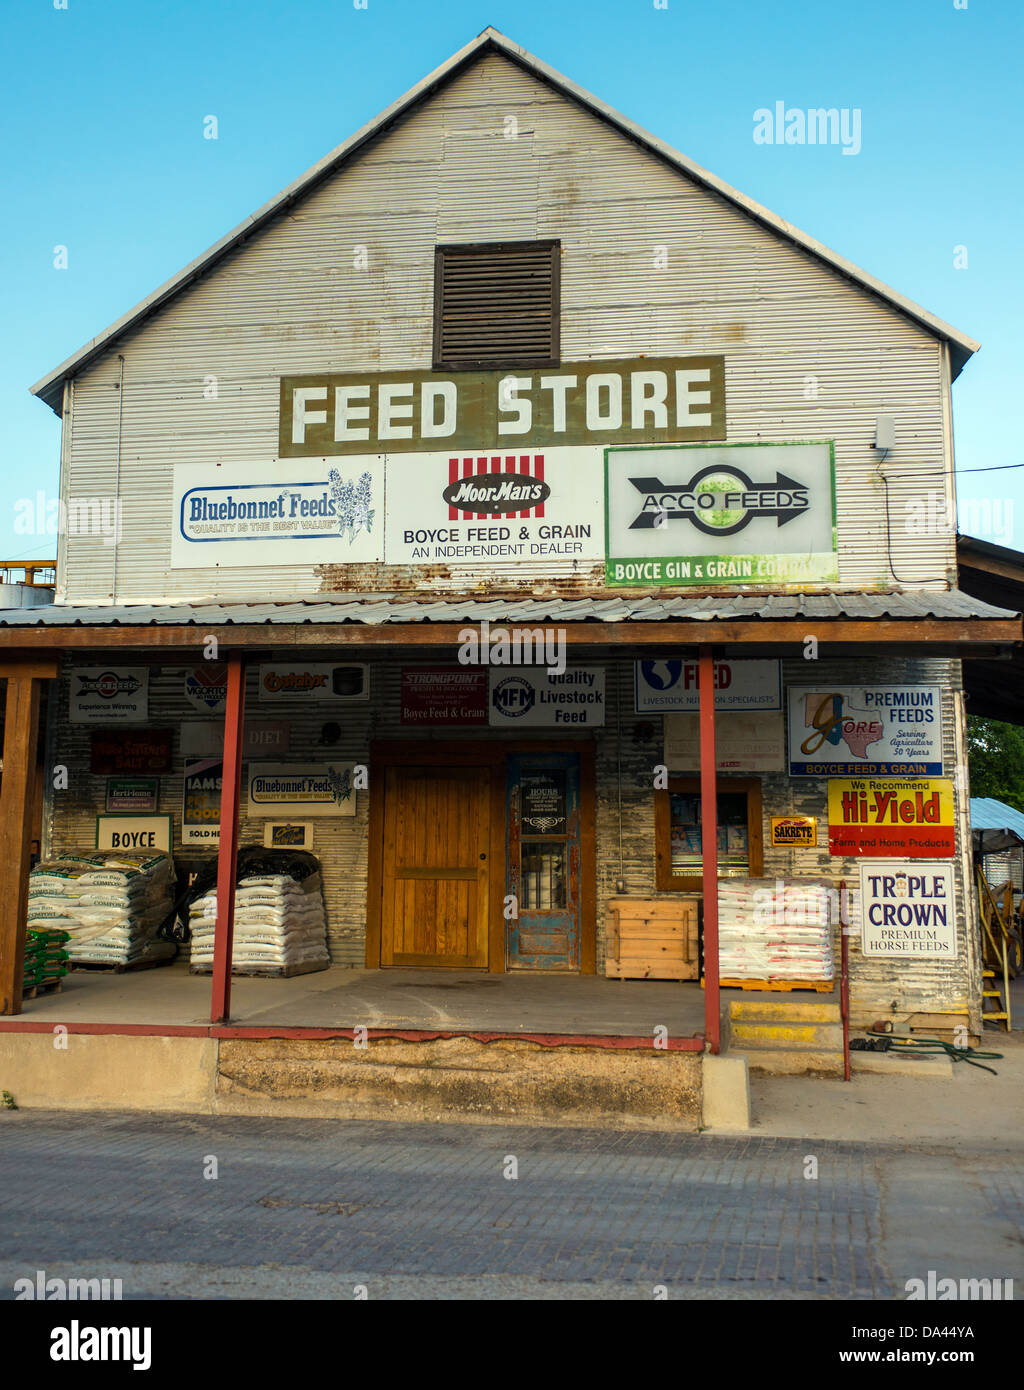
989	814
375	609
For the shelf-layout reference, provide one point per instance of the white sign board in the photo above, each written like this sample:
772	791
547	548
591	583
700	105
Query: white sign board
527	696
133	832
109	695
301	789
511	507
907	910
664	684
320	681
721	515
743	742
850	731
297	512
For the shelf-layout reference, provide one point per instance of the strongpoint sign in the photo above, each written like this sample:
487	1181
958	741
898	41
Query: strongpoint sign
729	515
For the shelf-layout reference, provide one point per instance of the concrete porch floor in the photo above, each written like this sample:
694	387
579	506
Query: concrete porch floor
341	997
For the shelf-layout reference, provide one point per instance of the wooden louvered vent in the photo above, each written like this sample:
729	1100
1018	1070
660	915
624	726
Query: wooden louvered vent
496	305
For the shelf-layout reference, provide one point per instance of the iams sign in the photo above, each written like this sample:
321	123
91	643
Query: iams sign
636	400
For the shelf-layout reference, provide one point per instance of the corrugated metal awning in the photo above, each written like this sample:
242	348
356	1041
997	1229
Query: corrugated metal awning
995	825
375	609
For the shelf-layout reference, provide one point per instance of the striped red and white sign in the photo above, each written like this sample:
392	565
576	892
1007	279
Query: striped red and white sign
525	465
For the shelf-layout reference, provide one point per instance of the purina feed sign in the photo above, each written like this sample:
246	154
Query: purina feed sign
507	507
723	515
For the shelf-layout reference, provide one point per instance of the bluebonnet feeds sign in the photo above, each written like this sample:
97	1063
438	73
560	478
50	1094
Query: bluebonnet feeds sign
240	515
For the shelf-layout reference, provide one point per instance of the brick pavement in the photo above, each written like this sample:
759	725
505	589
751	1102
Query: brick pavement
305	1203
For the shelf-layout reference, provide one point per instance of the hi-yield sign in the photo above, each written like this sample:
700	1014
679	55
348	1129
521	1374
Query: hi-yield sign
718	501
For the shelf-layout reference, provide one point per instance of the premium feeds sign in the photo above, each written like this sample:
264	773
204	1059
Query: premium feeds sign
879	730
735	515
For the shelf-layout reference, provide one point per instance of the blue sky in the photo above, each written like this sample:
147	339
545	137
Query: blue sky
102	152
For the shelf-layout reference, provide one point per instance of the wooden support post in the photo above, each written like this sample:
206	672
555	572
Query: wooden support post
21	730
709	846
227	851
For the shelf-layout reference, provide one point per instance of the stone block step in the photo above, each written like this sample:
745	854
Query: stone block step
785	1009
792	1062
819	1036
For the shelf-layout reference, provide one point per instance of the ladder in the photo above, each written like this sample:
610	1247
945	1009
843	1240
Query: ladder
989	987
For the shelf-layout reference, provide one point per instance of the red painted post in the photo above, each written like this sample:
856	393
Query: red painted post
709	846
231	779
844	974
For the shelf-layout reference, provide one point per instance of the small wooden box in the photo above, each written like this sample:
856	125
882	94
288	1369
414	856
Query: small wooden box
652	939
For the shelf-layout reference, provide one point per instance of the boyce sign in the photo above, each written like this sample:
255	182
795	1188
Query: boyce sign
643	399
502	508
882	730
721	515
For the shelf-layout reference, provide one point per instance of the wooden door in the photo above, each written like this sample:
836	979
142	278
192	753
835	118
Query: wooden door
544	861
435	866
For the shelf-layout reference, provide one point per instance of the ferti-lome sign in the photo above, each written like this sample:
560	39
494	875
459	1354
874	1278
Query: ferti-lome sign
891	819
730	515
645	400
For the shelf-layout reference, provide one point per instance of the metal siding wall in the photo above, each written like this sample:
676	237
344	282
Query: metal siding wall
290	301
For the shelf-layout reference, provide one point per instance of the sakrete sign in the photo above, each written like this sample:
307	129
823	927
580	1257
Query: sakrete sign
632	400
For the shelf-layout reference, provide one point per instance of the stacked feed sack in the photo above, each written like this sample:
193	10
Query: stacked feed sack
110	902
45	957
280	928
773	929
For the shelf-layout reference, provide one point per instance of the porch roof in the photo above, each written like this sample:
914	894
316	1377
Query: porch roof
947	620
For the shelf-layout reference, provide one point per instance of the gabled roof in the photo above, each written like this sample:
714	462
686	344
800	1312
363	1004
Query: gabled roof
50	387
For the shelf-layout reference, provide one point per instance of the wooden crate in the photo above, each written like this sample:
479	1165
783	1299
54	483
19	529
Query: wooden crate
652	939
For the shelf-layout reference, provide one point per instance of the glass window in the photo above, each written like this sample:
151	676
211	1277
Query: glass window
687	844
544	887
